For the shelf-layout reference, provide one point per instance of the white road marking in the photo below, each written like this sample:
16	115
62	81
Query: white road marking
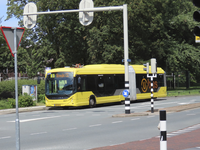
69	129
150	116
171	134
6	137
79	114
38	133
65	115
96	115
95	125
135	119
183	103
35	119
117	122
191	114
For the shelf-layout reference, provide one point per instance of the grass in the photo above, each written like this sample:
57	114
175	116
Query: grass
183	91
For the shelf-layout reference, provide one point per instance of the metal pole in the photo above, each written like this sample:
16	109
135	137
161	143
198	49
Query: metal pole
152	100
16	92
96	9
125	20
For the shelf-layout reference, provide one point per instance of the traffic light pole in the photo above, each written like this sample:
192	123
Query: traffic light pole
152	99
125	24
126	58
154	75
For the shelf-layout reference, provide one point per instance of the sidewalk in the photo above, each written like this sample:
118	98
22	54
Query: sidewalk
25	109
156	112
189	140
185	141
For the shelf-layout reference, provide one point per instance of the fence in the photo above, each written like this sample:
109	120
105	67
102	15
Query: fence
181	80
11	76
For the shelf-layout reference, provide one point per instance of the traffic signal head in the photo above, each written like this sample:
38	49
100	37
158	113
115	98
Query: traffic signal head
196	3
196	31
153	65
196	17
147	67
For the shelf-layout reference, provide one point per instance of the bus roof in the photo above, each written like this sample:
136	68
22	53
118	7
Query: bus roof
104	69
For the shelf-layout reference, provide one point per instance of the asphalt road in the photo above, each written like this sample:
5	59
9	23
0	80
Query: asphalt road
87	128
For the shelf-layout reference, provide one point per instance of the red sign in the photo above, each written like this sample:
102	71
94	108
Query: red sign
8	33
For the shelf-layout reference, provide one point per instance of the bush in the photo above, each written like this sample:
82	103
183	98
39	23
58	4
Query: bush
25	101
41	98
11	102
4	104
7	88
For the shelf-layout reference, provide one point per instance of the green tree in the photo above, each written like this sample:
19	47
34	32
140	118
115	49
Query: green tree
158	28
6	59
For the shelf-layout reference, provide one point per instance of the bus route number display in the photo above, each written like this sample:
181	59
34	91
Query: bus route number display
59	75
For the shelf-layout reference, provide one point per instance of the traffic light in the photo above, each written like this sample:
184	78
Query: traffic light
196	17
147	67
153	65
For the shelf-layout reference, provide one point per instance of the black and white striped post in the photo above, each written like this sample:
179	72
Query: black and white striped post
127	98
163	130
152	100
154	75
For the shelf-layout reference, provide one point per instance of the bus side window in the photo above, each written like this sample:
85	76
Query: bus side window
79	84
91	83
83	84
119	81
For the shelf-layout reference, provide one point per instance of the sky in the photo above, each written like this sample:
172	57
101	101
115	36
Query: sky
12	22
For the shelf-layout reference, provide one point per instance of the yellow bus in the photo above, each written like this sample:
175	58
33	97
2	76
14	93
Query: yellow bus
100	83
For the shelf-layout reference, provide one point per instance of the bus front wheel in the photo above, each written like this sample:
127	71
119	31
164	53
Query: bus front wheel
92	102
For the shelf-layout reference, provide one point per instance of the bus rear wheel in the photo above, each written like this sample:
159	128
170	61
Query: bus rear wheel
92	102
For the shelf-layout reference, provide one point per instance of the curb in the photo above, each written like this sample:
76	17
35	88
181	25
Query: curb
168	110
147	113
26	109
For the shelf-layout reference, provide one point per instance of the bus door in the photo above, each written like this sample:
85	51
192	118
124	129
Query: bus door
109	85
100	86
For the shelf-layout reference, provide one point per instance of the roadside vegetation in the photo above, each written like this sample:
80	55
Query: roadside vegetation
7	90
7	94
183	91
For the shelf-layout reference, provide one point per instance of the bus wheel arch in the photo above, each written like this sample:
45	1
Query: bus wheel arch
92	101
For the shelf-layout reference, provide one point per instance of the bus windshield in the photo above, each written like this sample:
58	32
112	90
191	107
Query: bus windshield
59	84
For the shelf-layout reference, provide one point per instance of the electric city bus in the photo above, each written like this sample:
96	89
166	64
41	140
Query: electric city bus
98	84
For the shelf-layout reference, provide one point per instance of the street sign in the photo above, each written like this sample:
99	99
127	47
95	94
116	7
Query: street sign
8	33
125	93
86	18
30	20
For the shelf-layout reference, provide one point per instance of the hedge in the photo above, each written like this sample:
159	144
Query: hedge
7	88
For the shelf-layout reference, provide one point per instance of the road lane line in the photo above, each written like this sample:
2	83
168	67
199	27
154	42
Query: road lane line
191	114
38	133
150	116
135	119
96	114
69	129
6	137
79	114
95	125
35	119
117	122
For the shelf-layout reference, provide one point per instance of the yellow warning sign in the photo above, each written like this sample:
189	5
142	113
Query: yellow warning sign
197	39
